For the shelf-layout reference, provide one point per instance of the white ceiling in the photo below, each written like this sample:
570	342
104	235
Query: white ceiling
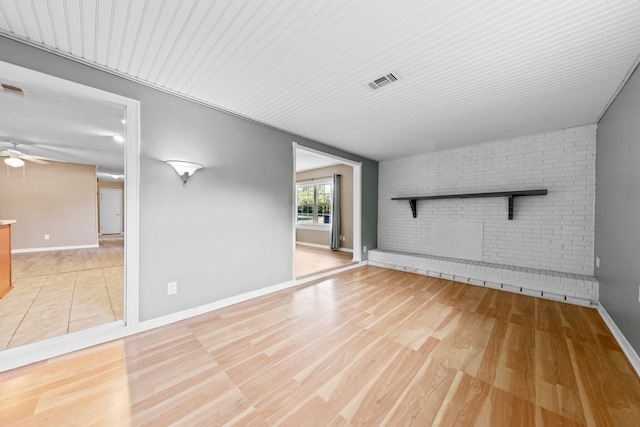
306	160
59	125
471	70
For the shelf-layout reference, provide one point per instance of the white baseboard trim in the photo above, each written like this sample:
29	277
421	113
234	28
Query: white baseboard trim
330	273
53	248
316	245
196	311
42	350
631	354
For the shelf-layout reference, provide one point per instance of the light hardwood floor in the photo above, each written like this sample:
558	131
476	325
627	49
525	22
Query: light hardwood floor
309	260
366	347
57	292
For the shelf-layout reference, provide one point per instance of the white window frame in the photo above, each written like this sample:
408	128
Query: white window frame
315	225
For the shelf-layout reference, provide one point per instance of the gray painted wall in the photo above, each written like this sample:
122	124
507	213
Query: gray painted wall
230	230
617	231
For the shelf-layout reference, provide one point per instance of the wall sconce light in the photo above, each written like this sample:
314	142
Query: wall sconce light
184	169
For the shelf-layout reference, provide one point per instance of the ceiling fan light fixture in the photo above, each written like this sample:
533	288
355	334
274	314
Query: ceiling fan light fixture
14	162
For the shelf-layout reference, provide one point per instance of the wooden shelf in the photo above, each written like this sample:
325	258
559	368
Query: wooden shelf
511	195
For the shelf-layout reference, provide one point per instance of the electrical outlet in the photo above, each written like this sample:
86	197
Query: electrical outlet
46	237
364	249
597	262
172	288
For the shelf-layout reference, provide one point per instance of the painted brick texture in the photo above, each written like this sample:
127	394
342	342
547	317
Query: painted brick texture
553	232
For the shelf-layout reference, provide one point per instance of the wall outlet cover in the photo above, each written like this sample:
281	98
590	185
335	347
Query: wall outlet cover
172	288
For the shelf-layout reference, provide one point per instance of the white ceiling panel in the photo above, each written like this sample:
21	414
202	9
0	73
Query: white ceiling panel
103	24
88	37
59	26
43	23
69	13
12	18
469	70
306	160
119	14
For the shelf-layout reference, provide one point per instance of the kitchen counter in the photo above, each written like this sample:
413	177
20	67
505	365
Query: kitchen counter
5	256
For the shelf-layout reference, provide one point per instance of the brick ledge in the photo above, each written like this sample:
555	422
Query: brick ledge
573	288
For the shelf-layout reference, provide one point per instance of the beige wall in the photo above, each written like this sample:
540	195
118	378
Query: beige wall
321	237
115	185
58	199
317	237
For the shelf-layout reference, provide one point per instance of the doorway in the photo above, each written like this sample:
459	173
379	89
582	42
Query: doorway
110	211
128	122
314	214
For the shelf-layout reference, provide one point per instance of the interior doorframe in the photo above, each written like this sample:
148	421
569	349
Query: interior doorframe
101	193
52	347
357	197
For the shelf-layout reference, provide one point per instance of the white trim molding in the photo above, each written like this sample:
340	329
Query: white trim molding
53	248
357	195
313	245
315	227
628	350
63	344
46	349
345	250
316	245
196	311
42	350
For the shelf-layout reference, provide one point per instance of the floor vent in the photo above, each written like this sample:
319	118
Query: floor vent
383	81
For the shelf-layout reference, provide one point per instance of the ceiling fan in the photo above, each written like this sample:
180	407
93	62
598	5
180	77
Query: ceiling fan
15	158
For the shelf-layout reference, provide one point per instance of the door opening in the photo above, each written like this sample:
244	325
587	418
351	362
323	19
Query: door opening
313	200
110	211
64	337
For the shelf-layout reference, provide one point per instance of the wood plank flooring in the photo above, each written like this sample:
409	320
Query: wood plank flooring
309	260
366	347
57	292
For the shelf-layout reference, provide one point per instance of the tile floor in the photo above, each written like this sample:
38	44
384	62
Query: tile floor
57	292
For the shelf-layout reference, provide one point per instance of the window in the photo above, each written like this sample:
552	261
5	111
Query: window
314	203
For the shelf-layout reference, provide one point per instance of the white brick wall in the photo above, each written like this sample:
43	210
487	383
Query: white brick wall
553	232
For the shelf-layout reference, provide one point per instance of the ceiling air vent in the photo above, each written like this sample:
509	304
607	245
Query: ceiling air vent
382	81
12	89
